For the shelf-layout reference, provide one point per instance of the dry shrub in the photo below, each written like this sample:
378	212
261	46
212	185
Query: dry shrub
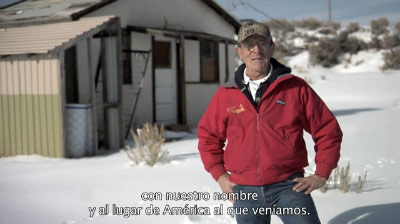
334	25
149	145
396	30
309	23
282	31
325	53
279	54
379	26
392	59
311	39
352	27
280	24
397	26
352	45
342	180
375	43
361	182
327	50
327	31
391	41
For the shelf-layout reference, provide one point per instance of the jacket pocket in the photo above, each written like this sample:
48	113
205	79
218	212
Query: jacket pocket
286	138
237	157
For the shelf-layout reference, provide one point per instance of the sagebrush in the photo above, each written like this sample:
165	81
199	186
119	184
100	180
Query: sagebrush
392	59
149	145
328	44
325	52
342	180
379	26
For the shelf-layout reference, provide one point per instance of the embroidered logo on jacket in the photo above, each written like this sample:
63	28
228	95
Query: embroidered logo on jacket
235	109
281	102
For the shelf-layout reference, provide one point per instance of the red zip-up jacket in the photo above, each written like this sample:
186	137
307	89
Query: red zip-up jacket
265	144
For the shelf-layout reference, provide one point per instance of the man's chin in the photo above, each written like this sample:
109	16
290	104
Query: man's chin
259	65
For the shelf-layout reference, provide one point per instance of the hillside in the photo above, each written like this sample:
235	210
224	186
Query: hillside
329	44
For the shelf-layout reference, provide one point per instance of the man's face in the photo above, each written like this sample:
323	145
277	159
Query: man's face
255	51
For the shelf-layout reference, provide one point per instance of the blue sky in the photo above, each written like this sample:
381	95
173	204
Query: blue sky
344	11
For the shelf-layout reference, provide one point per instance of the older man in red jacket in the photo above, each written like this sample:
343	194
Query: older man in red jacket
263	118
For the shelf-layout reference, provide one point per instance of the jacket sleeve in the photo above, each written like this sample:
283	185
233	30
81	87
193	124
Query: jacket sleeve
212	136
325	130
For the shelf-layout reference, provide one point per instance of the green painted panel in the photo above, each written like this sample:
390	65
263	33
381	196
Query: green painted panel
50	127
11	128
2	138
36	124
58	129
6	122
31	141
24	124
33	125
18	126
43	126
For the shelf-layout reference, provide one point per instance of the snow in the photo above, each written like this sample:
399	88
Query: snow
175	134
299	42
363	34
364	61
299	60
36	189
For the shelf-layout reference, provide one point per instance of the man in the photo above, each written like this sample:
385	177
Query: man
263	118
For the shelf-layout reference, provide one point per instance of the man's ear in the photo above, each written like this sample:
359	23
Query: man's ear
239	52
272	48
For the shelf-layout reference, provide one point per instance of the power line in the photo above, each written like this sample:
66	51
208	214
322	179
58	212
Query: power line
247	5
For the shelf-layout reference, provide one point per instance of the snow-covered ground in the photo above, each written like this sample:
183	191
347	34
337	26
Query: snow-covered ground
36	189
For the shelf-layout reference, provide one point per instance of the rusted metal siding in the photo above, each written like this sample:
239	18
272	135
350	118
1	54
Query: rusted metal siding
30	106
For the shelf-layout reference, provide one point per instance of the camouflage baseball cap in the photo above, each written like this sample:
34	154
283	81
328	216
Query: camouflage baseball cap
253	28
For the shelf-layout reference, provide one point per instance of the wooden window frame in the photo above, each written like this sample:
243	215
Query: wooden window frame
216	60
126	57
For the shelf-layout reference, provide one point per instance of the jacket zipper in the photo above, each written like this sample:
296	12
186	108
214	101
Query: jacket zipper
257	133
257	154
285	134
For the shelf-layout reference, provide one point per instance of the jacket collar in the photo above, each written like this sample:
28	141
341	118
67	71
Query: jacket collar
279	71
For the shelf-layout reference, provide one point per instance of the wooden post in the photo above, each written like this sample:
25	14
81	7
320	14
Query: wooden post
63	103
182	82
92	99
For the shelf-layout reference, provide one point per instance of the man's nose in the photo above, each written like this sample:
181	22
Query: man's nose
256	48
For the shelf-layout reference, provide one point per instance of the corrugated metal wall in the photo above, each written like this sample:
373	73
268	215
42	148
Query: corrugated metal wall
30	107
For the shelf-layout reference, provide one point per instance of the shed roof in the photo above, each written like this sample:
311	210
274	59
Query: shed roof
44	11
176	33
49	38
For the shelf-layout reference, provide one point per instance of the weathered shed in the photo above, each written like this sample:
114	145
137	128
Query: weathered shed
36	83
191	44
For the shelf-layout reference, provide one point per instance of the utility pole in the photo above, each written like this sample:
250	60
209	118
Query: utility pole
330	11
